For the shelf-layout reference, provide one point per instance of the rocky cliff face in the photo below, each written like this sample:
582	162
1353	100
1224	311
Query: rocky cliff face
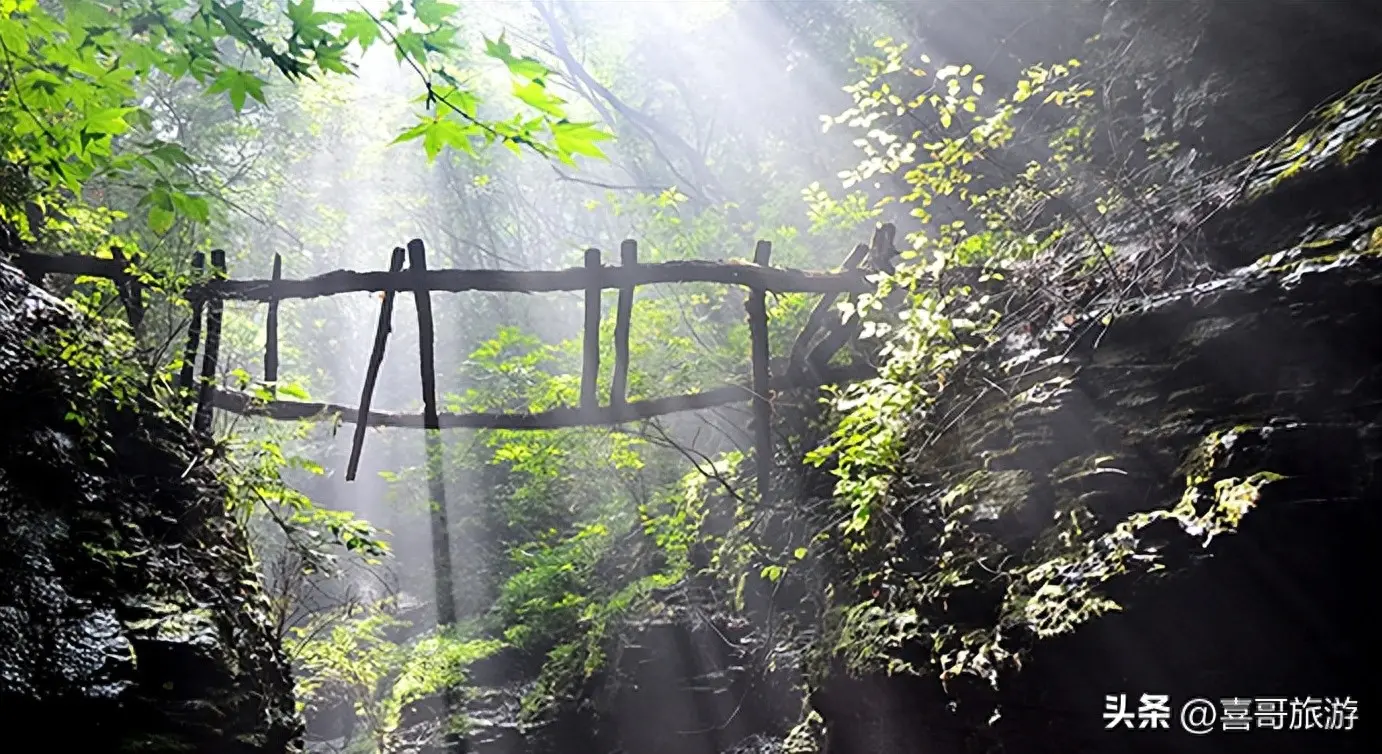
1174	496
1229	434
130	616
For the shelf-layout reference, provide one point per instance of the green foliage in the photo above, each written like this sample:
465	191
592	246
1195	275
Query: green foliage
923	345
586	626
253	470
1047	589
101	358
1061	580
71	76
953	146
456	122
99	353
847	213
513	372
543	599
69	99
362	661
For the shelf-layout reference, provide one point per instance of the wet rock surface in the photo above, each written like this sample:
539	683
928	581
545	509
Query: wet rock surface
1267	370
1174	496
130	617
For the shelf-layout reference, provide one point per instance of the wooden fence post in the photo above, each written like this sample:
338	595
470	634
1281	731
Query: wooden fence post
619	385
201	421
590	363
882	248
194	328
757	306
376	359
271	331
436	488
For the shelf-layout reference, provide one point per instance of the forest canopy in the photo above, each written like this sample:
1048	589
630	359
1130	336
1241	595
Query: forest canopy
77	103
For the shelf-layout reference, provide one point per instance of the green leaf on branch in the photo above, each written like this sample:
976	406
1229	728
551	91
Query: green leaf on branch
109	121
578	138
459	100
357	26
236	84
305	16
440	131
528	68
432	12
293	390
410	45
194	208
498	49
536	96
160	219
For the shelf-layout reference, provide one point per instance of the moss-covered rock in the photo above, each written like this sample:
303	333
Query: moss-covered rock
1172	495
131	619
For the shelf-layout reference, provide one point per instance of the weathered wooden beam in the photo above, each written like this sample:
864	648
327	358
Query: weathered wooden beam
15	259
590	350
560	418
376	360
68	264
757	306
201	421
542	281
436	487
271	328
194	329
623	320
882	250
417	268
782	280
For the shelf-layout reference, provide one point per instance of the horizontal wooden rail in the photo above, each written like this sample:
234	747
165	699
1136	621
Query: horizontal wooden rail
246	405
68	264
542	281
779	279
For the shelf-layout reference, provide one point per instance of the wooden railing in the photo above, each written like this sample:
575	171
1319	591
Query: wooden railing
806	366
408	272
